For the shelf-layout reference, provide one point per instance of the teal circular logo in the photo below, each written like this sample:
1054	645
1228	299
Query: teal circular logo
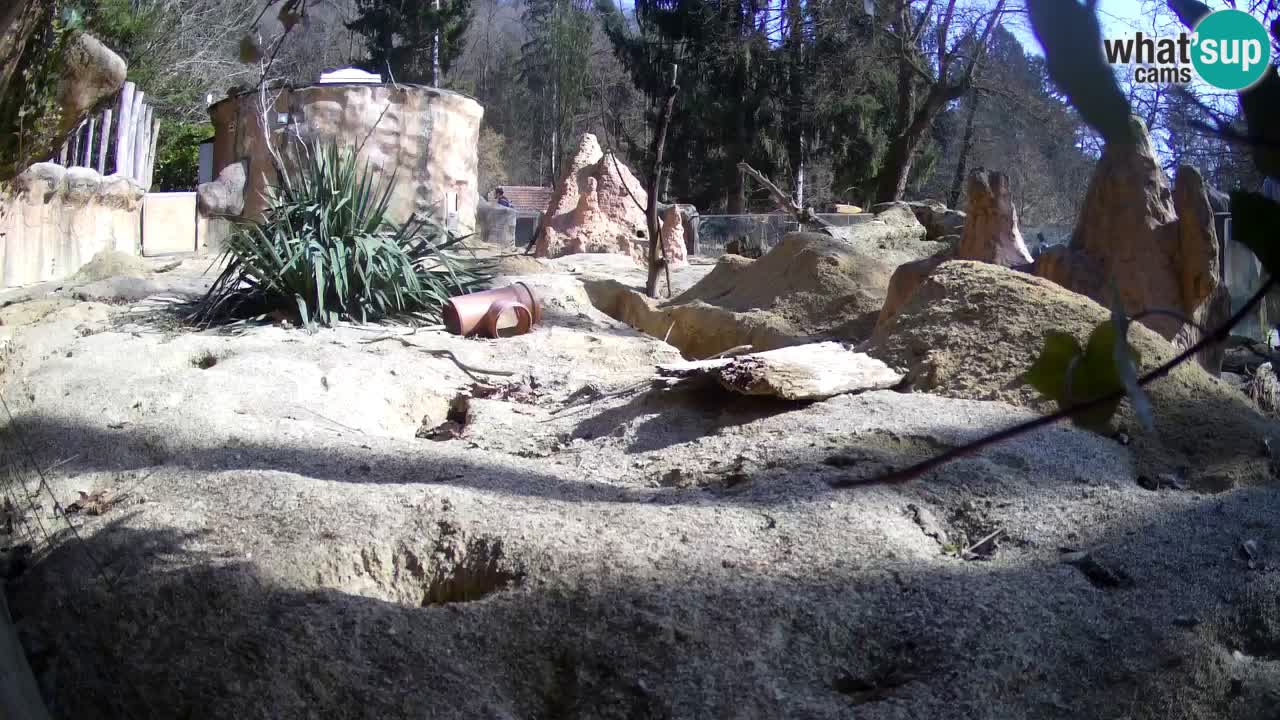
1232	49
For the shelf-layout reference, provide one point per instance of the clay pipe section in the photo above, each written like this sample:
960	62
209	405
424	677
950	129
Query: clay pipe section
501	312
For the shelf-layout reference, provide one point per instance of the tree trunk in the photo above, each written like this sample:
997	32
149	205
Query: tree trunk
892	182
966	146
657	251
19	19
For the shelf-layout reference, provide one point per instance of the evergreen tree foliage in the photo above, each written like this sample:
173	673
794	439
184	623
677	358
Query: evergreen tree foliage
408	37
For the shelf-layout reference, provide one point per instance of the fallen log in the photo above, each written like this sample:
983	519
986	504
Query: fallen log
815	371
803	215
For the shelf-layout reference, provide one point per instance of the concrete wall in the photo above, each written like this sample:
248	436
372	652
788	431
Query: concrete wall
169	223
55	219
426	137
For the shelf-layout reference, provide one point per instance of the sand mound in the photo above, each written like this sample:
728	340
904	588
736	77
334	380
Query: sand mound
111	263
808	286
972	329
519	265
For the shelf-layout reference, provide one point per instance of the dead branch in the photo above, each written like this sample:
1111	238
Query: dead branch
803	215
657	249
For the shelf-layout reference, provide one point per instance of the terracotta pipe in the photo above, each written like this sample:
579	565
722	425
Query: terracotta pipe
506	318
466	314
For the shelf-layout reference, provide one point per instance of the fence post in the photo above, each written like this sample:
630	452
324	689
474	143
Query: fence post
104	141
151	152
87	155
124	127
137	134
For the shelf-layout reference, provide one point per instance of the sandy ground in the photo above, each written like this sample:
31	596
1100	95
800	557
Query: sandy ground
283	544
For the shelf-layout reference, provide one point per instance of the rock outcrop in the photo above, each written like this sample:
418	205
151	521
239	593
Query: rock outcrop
425	137
56	219
91	72
890	233
990	234
224	195
991	231
809	286
597	207
972	329
1158	247
940	222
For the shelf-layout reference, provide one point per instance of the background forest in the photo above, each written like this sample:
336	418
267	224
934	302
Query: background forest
834	103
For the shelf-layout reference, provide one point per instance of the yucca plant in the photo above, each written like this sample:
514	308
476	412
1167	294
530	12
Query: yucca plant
325	251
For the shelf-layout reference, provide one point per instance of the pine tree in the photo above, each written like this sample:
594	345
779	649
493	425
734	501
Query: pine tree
555	65
417	40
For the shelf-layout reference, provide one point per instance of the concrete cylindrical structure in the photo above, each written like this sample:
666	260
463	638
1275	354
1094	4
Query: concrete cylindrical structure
425	137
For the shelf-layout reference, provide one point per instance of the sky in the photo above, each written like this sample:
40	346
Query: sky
1116	16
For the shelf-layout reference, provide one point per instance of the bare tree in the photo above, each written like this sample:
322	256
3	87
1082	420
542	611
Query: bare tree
924	91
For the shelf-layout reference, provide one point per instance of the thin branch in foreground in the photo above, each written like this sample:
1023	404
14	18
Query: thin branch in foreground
919	469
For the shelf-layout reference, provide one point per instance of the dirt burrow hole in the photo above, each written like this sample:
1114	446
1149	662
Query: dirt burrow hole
454	567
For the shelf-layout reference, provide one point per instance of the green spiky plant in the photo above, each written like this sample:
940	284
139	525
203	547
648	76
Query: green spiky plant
326	251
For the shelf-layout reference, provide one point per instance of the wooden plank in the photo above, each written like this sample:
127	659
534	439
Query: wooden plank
151	152
807	372
73	147
137	137
124	127
104	140
87	157
19	693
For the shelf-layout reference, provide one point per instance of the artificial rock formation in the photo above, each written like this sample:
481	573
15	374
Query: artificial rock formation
425	137
598	206
991	231
90	73
56	219
972	329
1157	247
990	234
809	286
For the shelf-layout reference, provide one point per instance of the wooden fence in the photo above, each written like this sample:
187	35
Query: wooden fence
119	140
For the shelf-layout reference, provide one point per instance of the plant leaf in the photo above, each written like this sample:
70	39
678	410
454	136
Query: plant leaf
1048	374
1073	51
1254	219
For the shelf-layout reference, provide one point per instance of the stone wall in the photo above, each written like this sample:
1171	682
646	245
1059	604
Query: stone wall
54	219
426	137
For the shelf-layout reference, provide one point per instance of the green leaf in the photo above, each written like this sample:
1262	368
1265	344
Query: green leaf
1048	374
1254	220
1070	375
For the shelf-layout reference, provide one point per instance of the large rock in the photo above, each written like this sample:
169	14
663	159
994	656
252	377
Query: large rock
91	72
991	235
938	220
424	137
598	207
991	231
224	195
972	329
809	286
890	233
1158	247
